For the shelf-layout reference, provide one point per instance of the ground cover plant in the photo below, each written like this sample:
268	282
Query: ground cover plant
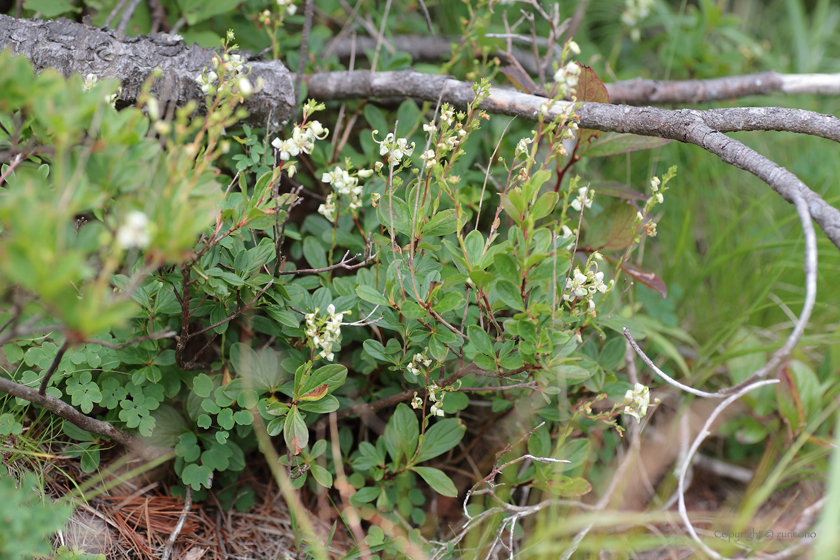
433	285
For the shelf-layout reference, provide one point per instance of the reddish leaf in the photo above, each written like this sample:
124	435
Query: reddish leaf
316	393
590	88
649	279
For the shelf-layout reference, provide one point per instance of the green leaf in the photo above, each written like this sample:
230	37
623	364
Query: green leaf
50	9
506	267
438	480
376	351
451	300
283	316
366	495
442	223
402	433
544	205
314	252
371	295
196	476
295	432
393	207
440	438
263	368
481	340
474	245
321	475
612	143
202	385
325	405
614	228
509	295
332	375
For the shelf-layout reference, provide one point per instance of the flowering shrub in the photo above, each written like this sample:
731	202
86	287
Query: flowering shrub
165	283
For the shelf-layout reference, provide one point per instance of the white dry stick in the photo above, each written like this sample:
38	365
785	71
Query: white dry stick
177	530
705	432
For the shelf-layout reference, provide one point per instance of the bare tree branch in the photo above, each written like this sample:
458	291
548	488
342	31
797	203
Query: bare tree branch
703	128
64	410
74	47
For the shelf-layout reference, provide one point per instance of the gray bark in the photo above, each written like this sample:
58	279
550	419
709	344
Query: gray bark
64	410
703	128
74	47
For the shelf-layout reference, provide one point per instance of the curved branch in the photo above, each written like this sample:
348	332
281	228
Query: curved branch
703	128
629	92
61	408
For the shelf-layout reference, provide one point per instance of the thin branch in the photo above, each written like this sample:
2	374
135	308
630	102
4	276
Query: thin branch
236	314
343	264
704	433
703	128
126	16
64	410
167	552
53	366
153	336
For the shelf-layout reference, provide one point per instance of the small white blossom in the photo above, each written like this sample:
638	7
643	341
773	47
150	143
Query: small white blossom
574	47
328	208
395	148
134	233
659	198
207	81
637	401
324	331
364	173
90	81
437	408
245	87
289	5
522	146
429	127
584	198
429	157
567	233
416	402
654	184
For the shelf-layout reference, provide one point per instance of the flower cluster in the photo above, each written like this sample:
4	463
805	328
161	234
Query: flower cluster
584	199
437	400
302	140
634	12
637	401
288	6
346	185
657	187
586	284
418	360
135	232
324	331
394	148
328	208
567	76
207	81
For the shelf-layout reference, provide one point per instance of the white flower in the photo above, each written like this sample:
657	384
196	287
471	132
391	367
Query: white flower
567	233
584	198
574	47
654	184
637	401
364	173
207	81
429	157
395	148
90	81
576	285
282	147
328	208
639	216
234	62
134	233
429	127
416	402
659	198
324	331
522	146
245	87
437	409
317	130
